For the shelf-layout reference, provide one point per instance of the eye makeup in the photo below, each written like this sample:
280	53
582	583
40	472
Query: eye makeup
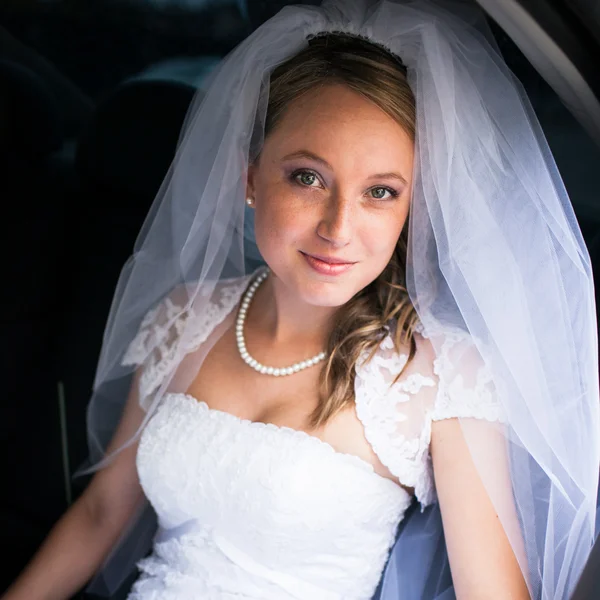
296	174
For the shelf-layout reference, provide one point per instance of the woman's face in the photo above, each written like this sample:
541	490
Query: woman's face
332	185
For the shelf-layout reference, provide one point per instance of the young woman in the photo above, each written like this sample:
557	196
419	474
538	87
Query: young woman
422	329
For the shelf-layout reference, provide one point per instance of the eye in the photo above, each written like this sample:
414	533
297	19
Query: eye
307	178
379	193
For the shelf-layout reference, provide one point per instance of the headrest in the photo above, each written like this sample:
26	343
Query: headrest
130	142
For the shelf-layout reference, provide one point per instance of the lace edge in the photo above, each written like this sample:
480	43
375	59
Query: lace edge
453	398
170	354
414	471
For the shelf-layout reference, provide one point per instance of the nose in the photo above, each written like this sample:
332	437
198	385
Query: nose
335	225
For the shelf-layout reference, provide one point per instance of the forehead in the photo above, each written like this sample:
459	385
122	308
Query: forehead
335	104
340	124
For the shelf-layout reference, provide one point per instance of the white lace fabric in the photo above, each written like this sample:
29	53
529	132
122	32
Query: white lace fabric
250	510
276	512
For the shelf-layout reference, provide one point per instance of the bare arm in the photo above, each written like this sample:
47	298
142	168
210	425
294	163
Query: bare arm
482	561
83	537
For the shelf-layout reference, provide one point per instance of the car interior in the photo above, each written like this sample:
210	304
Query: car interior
92	99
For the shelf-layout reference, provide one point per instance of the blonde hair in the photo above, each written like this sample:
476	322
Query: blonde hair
363	321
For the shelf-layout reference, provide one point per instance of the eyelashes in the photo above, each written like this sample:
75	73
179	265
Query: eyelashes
296	178
296	175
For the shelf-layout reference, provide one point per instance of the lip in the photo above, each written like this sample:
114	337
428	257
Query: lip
329	260
327	266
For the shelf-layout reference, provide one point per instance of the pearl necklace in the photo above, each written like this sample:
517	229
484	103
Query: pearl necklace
241	344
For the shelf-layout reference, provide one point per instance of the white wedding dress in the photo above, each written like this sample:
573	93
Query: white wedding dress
252	511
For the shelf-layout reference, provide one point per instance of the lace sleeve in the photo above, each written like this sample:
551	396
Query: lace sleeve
156	347
465	384
397	418
395	415
465	389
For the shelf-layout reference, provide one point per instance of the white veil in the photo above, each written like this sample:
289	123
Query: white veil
494	248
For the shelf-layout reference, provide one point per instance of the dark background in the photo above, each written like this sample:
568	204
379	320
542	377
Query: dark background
92	96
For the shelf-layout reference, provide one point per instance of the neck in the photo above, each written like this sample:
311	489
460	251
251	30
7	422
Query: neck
285	319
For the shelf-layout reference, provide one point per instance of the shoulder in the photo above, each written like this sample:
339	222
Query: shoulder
202	308
177	325
446	378
447	358
465	381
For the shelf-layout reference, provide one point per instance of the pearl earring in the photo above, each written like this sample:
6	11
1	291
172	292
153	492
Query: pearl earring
249	201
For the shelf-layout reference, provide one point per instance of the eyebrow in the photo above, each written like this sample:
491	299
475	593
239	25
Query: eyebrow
317	158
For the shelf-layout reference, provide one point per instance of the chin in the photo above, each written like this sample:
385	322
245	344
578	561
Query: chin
325	293
328	300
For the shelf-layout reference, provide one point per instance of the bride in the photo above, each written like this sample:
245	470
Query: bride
415	354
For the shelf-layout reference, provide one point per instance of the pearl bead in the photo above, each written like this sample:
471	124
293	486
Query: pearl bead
239	335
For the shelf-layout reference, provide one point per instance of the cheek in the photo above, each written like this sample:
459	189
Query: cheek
380	235
277	225
280	218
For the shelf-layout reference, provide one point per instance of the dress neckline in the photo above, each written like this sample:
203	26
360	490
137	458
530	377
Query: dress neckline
298	434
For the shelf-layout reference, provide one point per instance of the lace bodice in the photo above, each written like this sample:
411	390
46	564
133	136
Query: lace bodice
275	513
250	510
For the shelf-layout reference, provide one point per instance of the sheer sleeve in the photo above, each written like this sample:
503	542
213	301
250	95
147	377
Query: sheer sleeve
157	348
154	348
465	383
397	417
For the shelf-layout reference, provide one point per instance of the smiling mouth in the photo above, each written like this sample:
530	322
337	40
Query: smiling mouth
327	266
328	260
